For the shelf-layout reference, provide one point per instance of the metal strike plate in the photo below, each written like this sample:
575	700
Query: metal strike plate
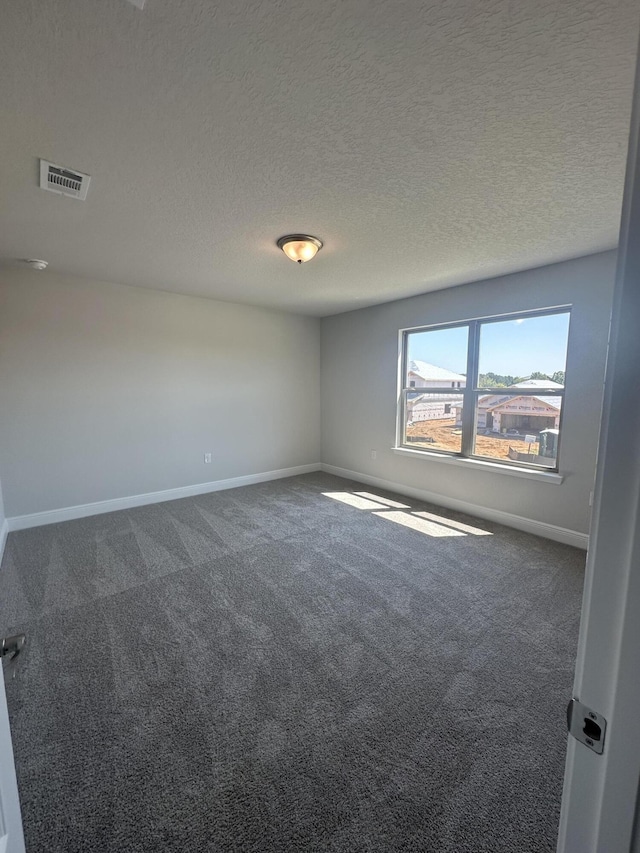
586	725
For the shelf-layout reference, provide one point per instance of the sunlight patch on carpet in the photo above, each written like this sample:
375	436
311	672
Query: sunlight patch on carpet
429	528
457	525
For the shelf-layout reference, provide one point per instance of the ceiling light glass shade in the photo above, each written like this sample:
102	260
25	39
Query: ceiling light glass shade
300	247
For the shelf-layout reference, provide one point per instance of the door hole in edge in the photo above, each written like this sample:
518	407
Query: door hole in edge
592	729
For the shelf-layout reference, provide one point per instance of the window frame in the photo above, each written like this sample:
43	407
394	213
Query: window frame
472	391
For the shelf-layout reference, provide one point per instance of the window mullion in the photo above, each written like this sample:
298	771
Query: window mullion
469	404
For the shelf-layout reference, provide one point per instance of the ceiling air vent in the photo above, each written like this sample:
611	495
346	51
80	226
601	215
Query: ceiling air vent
57	179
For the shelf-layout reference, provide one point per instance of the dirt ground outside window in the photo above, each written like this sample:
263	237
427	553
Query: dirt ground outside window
442	434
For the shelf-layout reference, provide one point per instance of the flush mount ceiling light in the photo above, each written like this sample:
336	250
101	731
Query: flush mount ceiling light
299	247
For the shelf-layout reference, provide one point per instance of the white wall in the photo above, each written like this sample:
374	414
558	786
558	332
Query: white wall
359	388
108	391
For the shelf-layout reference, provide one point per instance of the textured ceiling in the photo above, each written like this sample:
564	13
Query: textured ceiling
427	143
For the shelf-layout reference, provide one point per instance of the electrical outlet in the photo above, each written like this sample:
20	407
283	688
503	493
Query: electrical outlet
374	454
207	457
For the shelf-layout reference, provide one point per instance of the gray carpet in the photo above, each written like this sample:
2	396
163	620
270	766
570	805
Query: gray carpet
272	669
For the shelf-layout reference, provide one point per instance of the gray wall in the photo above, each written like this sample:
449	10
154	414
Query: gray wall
359	379
2	512
109	391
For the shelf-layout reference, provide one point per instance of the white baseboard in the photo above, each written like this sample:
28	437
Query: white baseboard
4	530
529	525
539	528
53	516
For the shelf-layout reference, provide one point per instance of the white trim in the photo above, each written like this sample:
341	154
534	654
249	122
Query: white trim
4	530
481	465
547	309
529	525
600	803
36	519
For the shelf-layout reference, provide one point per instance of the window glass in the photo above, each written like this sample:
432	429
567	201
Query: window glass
437	358
518	428
433	421
527	349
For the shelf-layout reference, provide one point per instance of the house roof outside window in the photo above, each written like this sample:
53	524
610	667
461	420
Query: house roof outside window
536	383
432	373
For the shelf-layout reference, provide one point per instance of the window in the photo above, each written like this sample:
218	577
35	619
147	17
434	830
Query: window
489	389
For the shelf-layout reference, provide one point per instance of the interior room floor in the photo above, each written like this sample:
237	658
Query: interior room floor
295	665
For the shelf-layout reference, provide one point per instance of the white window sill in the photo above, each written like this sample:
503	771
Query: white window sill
479	465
